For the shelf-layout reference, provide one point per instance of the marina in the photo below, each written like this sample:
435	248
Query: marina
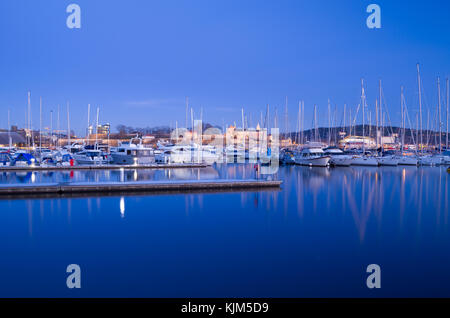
224	157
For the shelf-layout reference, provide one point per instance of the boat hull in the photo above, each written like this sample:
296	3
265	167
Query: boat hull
364	161
313	162
340	161
387	161
407	161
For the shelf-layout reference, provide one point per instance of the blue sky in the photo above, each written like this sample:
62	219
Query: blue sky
138	60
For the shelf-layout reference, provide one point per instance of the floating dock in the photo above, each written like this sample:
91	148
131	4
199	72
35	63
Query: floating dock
104	167
160	186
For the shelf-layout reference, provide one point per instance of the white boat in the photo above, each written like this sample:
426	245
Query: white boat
430	160
389	160
175	154
406	160
446	155
364	160
287	157
5	158
338	157
130	153
312	155
91	157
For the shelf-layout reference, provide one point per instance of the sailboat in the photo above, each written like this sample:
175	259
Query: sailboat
312	153
384	159
363	159
405	158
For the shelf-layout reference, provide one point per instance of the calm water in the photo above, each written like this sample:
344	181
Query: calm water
313	238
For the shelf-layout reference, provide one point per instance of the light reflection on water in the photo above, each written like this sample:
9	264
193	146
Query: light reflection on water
312	238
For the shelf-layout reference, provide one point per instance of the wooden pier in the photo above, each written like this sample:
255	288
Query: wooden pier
102	187
104	167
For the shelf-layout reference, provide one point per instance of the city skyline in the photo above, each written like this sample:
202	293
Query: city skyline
139	65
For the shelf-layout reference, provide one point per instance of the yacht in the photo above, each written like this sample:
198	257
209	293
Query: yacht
23	159
5	158
175	154
364	159
430	160
312	155
338	157
287	157
91	157
387	160
130	153
407	160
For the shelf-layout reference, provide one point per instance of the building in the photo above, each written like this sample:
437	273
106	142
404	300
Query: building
104	129
17	139
357	142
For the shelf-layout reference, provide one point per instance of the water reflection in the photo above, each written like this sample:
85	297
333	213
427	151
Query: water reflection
397	216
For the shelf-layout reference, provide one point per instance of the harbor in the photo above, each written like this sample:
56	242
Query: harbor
224	157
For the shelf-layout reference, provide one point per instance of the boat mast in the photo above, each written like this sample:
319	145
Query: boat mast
315	124
363	97
29	119
9	129
286	118
88	123
381	117
96	129
420	108
446	142
345	111
439	115
51	127
40	126
303	122
68	124
58	126
403	120
187	111
377	126
329	123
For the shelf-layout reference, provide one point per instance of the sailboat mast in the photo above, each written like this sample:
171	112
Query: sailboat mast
40	125
363	100
88	123
403	120
377	119
96	129
439	115
286	117
381	116
68	124
420	107
303	123
9	129
329	123
446	142
315	123
345	129
29	119
187	111
51	127
58	125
